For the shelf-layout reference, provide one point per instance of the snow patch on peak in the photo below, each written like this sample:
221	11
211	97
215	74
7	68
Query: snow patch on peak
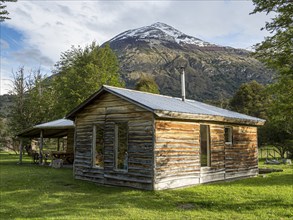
179	36
161	25
161	31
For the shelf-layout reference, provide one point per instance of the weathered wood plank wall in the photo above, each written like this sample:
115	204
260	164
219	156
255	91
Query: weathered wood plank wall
109	109
241	158
217	147
177	150
216	171
176	154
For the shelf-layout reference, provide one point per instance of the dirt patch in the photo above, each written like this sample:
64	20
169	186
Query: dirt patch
266	170
186	206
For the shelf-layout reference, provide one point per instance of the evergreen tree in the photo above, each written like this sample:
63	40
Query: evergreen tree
19	110
30	102
3	12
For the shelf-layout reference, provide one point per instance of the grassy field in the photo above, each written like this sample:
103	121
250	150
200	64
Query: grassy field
32	192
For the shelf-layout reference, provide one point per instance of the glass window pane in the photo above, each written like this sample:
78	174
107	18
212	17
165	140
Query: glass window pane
228	135
204	145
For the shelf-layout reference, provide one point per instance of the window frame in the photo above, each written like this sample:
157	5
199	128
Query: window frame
94	137
230	135
116	145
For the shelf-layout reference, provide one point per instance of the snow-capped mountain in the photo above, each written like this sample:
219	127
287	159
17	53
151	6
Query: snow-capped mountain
212	71
162	32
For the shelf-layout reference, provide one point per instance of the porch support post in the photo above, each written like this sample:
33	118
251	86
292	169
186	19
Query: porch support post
41	147
20	151
58	144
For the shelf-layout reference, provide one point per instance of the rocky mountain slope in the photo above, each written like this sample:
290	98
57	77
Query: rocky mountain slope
212	71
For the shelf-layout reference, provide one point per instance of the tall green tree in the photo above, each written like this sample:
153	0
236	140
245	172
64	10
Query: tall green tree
276	51
256	100
30	103
39	98
81	72
251	99
3	12
19	110
278	130
147	84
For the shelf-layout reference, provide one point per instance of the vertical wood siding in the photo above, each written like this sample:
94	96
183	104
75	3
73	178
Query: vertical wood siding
109	109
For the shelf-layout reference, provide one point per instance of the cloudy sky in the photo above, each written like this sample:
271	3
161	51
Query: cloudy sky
40	30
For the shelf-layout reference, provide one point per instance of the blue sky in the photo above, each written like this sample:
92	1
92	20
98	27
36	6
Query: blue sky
40	30
12	36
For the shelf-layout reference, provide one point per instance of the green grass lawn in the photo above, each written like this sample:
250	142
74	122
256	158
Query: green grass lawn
35	192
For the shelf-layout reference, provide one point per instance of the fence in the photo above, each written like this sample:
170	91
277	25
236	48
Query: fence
269	152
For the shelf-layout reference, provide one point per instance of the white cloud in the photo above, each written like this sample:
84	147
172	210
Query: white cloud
50	27
5	85
32	55
5	76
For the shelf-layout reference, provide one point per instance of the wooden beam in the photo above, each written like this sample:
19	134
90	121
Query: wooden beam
41	147
115	146
58	144
20	151
74	148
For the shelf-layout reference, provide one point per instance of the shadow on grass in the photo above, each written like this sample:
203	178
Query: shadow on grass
112	202
280	179
29	191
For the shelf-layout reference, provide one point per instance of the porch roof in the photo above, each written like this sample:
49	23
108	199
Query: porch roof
51	129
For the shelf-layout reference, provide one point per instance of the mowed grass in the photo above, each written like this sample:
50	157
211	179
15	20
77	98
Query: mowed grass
34	192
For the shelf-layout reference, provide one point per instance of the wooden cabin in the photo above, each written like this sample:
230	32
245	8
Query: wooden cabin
147	141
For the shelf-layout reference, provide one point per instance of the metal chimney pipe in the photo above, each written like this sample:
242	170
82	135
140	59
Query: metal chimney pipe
182	84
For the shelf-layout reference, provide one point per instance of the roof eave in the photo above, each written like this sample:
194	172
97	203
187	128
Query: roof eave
29	131
21	134
56	127
201	117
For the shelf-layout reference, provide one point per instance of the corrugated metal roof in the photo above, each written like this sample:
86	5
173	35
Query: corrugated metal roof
57	128
155	102
56	124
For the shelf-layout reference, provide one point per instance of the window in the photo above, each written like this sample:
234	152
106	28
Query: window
98	145
205	145
228	135
121	145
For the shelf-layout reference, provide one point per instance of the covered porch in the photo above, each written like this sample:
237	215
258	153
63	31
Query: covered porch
57	129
